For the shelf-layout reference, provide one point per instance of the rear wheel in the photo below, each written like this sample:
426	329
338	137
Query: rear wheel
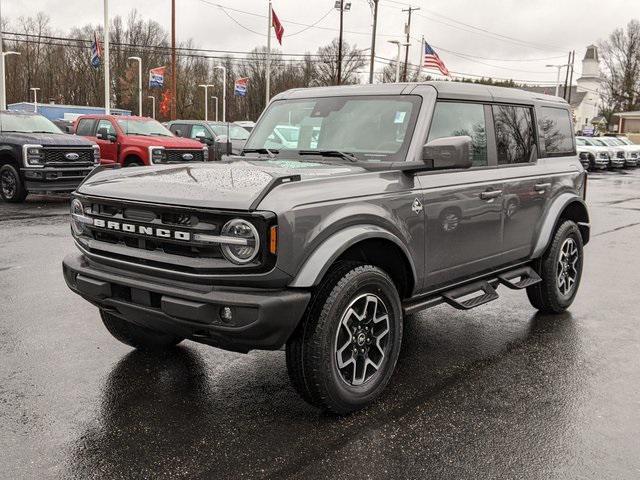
345	351
11	187
137	336
560	269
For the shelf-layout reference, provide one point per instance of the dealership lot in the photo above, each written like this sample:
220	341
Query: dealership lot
497	392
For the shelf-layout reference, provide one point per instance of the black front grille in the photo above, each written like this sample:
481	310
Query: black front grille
178	155
61	155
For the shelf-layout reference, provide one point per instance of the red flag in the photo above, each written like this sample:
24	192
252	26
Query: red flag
277	26
165	103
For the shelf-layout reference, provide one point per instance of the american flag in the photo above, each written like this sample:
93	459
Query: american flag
432	60
96	52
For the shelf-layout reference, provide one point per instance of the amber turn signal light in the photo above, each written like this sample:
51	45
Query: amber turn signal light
273	239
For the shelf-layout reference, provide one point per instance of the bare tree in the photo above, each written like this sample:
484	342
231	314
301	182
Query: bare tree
327	67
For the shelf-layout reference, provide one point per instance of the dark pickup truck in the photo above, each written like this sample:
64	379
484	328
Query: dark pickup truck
37	157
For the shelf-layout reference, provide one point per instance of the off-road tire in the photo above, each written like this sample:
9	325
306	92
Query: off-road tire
311	354
546	295
137	336
19	190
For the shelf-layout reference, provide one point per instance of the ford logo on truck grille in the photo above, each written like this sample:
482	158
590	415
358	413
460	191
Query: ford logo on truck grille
71	156
145	230
187	156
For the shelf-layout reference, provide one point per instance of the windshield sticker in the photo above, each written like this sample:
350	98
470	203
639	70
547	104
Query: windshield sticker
399	117
293	164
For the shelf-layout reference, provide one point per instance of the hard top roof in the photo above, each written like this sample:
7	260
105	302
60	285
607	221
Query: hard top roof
445	90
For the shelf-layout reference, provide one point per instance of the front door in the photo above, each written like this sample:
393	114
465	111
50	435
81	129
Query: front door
463	209
108	149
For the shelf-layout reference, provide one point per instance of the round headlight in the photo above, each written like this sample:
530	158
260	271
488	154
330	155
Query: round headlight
248	243
76	211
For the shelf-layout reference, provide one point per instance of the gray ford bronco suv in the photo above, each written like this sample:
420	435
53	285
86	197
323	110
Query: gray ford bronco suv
395	198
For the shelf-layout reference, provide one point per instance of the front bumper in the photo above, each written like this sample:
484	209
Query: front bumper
617	163
261	318
52	179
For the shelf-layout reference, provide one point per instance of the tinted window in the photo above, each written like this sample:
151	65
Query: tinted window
555	125
85	127
515	140
454	119
179	129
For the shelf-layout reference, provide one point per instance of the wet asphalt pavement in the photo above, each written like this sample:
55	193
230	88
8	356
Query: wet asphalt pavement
496	392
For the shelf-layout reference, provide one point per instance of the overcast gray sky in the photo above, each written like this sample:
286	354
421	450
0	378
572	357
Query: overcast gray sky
534	31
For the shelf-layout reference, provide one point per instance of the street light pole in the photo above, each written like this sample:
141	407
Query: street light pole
373	41
399	45
216	99
559	67
153	106
3	99
107	92
224	91
35	98
139	60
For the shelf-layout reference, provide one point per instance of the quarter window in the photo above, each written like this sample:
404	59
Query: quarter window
555	125
452	119
85	127
515	139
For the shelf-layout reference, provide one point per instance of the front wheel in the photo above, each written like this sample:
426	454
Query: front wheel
137	336
560	269
345	351
11	187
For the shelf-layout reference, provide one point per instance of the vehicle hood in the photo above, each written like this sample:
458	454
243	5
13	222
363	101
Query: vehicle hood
167	142
46	139
233	184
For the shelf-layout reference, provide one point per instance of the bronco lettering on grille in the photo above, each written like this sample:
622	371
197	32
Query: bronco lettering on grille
142	229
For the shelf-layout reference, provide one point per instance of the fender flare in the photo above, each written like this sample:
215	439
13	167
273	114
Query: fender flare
131	151
551	220
317	264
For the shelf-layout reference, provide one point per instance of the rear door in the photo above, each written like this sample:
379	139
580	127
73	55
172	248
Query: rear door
463	209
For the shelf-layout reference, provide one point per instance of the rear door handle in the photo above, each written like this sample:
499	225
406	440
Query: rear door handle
490	194
541	187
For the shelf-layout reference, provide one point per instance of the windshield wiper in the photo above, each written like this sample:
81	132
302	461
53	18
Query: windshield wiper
271	153
330	153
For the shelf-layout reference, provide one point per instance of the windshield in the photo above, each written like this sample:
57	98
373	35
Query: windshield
235	132
600	143
27	124
373	128
143	127
580	141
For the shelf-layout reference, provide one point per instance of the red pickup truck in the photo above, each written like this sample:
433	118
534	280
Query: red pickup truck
135	141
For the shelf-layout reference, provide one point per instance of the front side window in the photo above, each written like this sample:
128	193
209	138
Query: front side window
555	125
199	131
106	125
146	128
371	128
452	119
22	123
234	132
85	127
515	139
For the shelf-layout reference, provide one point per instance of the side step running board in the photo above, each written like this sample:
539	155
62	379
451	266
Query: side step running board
452	297
527	277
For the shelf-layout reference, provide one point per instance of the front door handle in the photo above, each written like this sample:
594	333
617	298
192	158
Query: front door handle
541	187
490	194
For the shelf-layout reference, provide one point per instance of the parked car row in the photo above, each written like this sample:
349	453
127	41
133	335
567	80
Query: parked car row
37	157
600	153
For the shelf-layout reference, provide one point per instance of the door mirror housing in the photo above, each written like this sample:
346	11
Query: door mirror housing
448	152
103	134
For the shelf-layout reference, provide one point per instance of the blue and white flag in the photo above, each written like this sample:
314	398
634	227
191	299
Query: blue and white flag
96	52
240	87
156	77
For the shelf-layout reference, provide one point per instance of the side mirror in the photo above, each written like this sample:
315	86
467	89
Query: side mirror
177	132
202	138
448	152
103	134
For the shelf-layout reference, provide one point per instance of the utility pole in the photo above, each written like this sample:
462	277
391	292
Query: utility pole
339	79
566	78
573	57
173	60
107	79
3	95
408	32
373	40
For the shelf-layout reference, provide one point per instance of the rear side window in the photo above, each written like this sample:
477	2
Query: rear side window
451	119
515	138
85	127
555	125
